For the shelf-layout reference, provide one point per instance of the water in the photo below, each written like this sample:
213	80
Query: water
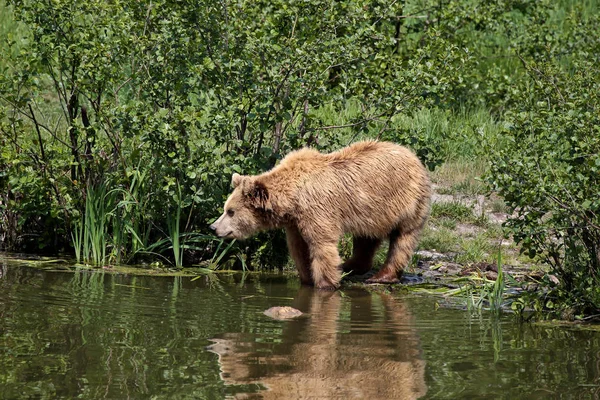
100	335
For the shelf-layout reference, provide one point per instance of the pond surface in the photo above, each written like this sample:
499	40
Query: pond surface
90	334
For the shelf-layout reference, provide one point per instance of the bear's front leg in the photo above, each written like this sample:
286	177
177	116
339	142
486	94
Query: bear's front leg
300	254
325	263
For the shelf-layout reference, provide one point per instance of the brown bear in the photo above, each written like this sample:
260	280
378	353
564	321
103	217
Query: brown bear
372	190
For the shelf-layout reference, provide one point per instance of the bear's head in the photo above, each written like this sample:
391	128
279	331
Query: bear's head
246	210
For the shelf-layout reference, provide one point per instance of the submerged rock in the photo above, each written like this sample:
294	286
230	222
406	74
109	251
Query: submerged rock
282	313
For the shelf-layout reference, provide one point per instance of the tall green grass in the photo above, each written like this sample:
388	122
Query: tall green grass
112	228
490	295
90	233
175	232
10	36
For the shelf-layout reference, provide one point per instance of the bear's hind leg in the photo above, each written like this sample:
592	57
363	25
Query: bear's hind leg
363	251
300	254
402	246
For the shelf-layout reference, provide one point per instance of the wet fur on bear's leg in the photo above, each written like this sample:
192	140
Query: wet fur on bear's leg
300	254
402	246
363	251
325	263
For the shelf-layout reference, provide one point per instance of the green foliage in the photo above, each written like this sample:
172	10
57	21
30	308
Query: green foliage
473	250
549	177
439	239
455	210
158	103
186	94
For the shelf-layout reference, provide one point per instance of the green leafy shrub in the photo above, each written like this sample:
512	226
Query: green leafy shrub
100	94
549	176
161	102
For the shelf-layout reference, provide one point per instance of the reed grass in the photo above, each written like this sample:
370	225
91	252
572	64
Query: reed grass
94	225
174	231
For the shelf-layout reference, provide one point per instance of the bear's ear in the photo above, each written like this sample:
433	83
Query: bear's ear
236	179
258	195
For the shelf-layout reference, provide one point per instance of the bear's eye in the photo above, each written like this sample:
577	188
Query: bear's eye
230	212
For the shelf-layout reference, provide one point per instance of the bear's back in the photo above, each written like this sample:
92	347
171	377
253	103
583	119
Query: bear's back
368	187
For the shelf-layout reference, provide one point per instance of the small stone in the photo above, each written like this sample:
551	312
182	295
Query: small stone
431	255
282	313
491	275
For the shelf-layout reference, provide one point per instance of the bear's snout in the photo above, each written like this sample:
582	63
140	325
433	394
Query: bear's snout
221	227
215	227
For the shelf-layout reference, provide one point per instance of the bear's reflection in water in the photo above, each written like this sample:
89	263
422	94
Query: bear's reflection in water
352	345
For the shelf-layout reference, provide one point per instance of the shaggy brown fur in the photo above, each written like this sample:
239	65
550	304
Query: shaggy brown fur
372	190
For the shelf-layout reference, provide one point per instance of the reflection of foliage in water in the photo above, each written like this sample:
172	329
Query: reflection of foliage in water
88	332
491	357
97	335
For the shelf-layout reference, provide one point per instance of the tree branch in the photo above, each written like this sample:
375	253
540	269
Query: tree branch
37	128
